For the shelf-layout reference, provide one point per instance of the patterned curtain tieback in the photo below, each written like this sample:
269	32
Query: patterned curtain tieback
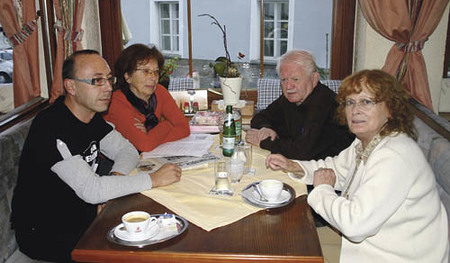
22	35
413	46
76	36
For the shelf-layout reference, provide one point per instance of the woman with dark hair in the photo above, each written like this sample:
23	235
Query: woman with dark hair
143	111
390	209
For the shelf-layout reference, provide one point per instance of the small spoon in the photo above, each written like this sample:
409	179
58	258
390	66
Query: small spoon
261	197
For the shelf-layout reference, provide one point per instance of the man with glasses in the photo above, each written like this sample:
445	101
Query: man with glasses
59	192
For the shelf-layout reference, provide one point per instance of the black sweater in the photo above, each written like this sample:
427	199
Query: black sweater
307	131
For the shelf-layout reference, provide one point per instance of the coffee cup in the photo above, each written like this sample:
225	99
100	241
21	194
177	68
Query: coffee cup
271	189
137	222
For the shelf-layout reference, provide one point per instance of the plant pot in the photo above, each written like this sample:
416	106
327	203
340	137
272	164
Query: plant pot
231	89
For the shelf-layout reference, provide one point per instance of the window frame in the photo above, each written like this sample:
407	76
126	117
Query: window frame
35	105
155	23
171	34
276	40
446	70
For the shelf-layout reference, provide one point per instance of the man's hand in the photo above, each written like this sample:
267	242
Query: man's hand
255	136
168	173
324	176
265	133
251	137
100	207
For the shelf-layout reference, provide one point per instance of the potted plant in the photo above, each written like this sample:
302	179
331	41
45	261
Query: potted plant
169	67
229	76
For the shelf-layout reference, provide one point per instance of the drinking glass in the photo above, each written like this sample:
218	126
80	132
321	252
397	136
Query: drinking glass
222	180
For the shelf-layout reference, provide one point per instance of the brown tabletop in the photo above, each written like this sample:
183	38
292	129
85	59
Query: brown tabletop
285	234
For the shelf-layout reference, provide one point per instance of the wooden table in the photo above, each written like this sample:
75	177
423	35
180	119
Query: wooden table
286	234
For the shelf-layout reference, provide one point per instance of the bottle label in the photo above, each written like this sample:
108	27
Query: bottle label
238	124
228	145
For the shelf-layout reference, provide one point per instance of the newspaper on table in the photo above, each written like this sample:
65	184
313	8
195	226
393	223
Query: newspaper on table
189	162
188	153
196	145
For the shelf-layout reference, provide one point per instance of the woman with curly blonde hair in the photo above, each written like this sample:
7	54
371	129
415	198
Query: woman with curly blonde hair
389	209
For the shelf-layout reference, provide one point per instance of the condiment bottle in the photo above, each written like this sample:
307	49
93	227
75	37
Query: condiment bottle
195	107
229	132
186	107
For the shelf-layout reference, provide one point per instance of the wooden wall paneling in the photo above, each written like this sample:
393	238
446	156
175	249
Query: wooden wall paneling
111	30
342	38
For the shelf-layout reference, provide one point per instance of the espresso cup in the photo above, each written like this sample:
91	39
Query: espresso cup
271	189
137	222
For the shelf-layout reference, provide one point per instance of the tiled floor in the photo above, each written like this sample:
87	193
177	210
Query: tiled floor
330	242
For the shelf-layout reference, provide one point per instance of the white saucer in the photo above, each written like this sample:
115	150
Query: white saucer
121	233
284	196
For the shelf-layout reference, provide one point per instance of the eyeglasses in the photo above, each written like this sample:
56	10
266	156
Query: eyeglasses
365	104
97	81
150	72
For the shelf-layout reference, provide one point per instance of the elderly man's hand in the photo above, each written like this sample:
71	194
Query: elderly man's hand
251	137
265	133
255	136
168	173
324	176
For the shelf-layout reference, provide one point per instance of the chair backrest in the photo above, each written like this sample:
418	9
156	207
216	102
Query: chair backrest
332	84
180	84
270	90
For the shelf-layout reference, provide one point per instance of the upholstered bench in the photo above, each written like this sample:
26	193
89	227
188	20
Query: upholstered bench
11	143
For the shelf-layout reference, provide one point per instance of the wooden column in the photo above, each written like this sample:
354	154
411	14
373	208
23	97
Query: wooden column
111	27
342	38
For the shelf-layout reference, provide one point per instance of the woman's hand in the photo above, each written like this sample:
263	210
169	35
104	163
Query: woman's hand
140	125
279	162
324	176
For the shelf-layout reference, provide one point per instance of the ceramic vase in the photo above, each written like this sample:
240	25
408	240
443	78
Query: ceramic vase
231	89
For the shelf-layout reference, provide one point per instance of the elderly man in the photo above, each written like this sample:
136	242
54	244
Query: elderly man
300	124
58	190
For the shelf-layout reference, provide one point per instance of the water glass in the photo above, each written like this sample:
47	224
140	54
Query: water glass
235	169
222	183
244	153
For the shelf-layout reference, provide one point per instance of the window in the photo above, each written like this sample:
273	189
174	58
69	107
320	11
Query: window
6	74
276	27
169	26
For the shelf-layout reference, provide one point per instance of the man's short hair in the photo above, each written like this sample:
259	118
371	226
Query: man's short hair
300	57
68	70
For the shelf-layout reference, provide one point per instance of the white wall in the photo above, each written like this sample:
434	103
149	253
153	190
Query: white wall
371	50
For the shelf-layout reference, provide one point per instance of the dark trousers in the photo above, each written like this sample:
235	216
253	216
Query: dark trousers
43	245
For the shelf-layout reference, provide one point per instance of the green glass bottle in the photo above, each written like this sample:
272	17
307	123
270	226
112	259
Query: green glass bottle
229	132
